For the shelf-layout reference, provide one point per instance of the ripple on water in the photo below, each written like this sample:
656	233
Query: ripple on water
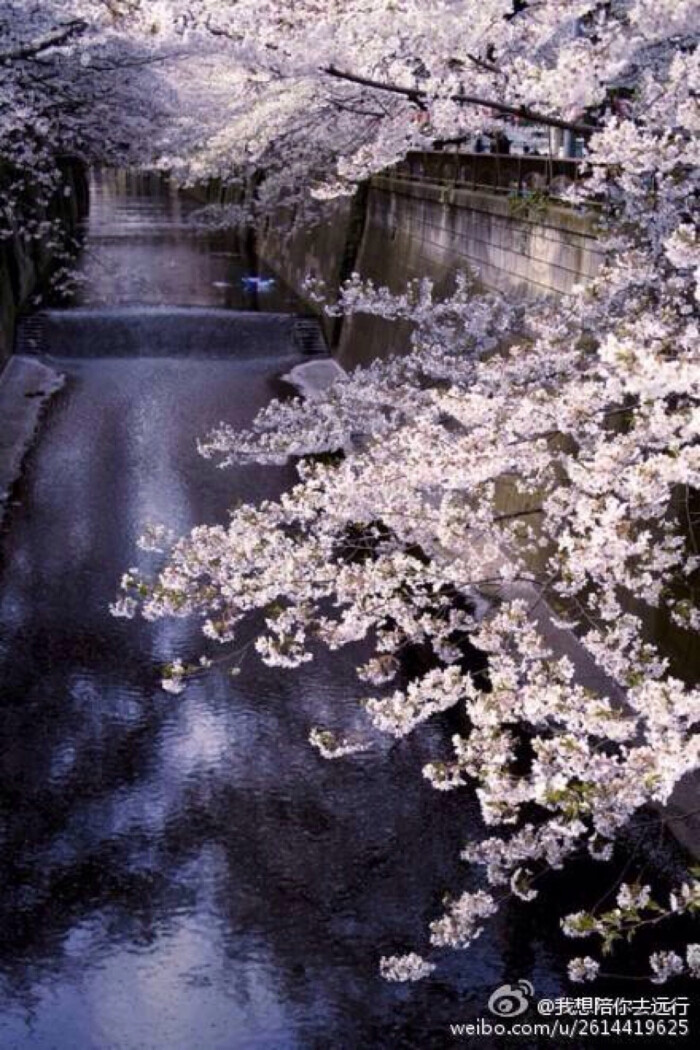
181	873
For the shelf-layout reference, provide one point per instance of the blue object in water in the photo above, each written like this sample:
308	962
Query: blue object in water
260	284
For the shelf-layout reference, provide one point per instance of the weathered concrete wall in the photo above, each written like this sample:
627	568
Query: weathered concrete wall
511	242
426	221
328	250
421	228
24	263
432	216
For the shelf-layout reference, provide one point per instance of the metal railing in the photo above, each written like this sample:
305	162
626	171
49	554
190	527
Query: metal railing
510	174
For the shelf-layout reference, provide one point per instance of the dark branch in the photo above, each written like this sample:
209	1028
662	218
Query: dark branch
418	97
54	39
483	64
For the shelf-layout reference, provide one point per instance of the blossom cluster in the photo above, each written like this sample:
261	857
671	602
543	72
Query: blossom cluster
635	908
519	457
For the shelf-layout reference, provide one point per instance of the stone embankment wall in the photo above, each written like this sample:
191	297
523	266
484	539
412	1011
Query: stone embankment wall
25	262
328	251
432	216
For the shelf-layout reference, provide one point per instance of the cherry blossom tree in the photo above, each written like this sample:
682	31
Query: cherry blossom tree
319	95
397	533
78	81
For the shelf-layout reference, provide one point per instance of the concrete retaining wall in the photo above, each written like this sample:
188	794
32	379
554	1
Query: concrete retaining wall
24	263
425	220
510	242
328	250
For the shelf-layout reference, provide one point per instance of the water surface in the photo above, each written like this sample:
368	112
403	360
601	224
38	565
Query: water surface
186	873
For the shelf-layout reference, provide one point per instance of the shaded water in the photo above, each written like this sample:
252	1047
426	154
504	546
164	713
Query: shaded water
144	247
187	873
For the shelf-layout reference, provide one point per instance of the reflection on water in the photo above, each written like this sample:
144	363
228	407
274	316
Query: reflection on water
143	247
187	873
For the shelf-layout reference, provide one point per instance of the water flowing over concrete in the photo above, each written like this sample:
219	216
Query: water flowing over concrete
186	873
159	331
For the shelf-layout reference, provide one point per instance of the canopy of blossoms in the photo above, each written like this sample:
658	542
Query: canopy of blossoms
78	79
585	411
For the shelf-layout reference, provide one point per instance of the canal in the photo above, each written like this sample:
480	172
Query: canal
186	873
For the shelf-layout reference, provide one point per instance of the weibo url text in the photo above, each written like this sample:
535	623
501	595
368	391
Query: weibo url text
559	1028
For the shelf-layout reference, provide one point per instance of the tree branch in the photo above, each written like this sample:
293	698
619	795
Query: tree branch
418	96
483	64
56	38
